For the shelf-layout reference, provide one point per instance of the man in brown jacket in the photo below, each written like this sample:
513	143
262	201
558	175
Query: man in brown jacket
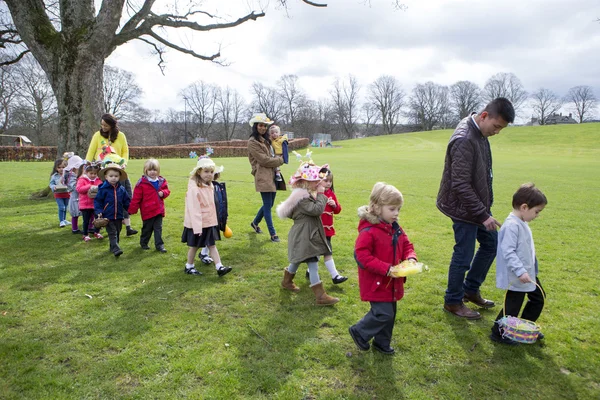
466	197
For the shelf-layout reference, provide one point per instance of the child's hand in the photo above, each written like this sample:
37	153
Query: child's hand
525	278
331	203
161	194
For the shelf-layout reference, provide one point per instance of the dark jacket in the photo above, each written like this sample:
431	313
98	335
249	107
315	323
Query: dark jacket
147	200
466	187
111	201
221	204
379	246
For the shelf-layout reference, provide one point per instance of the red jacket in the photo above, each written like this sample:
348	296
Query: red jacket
375	254
146	199
327	216
83	186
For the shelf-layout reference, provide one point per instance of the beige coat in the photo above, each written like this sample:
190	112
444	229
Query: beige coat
263	165
200	210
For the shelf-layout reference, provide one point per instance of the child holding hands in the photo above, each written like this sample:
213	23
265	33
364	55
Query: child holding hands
110	202
516	262
306	239
149	196
201	220
88	183
59	189
381	244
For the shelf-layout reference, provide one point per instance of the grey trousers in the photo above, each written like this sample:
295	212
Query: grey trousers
378	323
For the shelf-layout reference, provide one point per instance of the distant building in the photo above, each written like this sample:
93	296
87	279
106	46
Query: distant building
555	119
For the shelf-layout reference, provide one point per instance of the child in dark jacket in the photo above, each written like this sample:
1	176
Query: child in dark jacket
110	202
381	243
148	197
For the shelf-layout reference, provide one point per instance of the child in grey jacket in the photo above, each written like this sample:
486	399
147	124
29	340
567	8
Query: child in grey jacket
516	263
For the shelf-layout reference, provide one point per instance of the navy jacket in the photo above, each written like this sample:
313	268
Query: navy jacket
111	201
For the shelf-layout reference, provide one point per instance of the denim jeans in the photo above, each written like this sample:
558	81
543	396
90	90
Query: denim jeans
62	208
476	268
268	199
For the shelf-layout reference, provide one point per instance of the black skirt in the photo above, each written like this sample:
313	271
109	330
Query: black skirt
208	238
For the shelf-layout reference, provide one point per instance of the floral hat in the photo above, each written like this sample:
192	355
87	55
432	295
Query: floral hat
309	172
114	166
206	162
260	118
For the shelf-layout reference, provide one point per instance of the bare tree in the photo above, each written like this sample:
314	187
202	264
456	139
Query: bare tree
429	105
466	98
388	98
545	103
230	105
121	92
201	98
505	84
8	93
344	97
292	96
11	45
370	117
267	100
584	101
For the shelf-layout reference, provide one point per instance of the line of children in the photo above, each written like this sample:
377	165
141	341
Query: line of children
149	196
60	191
201	220
306	239
87	184
110	202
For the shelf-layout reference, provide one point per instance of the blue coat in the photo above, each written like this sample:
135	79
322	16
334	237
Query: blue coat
111	201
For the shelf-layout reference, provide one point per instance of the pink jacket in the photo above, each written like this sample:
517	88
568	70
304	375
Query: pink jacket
83	186
200	209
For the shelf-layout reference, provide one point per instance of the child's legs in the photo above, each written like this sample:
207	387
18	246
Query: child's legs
62	208
214	254
376	323
293	268
512	305
330	265
147	228
87	216
313	272
157	228
535	304
113	228
191	255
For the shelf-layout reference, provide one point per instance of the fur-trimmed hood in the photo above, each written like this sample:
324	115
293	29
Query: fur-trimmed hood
365	213
286	207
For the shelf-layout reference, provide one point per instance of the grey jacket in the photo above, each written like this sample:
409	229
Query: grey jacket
515	255
466	188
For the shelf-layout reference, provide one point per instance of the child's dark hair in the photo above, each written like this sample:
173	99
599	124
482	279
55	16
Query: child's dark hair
328	174
501	107
81	170
530	195
256	135
91	167
57	163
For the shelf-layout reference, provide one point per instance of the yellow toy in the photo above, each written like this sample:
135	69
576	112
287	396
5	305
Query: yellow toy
406	268
228	232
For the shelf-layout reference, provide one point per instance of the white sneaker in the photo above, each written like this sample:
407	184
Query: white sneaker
63	224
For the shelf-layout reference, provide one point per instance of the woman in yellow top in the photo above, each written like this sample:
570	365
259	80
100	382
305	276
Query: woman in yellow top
109	140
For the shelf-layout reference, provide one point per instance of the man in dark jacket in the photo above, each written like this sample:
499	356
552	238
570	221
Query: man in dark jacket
466	197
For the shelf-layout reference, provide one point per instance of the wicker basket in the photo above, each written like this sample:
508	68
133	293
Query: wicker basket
92	192
519	329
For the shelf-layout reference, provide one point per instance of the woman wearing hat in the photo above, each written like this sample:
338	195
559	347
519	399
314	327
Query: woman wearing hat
264	163
105	144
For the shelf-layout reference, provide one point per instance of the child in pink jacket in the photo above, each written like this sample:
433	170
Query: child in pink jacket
88	181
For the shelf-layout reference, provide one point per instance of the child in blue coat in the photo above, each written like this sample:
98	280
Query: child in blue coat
110	202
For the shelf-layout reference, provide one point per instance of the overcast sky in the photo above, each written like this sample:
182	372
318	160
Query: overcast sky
551	44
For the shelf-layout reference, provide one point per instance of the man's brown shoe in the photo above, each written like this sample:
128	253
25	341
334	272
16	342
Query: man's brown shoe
478	300
462	311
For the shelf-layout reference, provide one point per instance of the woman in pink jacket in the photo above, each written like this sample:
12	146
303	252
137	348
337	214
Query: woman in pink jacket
88	181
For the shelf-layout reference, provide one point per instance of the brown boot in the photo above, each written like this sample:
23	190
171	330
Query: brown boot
323	299
288	281
476	298
462	311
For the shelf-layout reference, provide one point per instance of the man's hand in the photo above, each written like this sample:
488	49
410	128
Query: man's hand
491	224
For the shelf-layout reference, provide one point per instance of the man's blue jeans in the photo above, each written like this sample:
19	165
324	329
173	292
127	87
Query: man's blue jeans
476	268
268	199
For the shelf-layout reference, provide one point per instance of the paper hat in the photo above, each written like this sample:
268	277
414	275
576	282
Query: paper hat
74	162
114	166
206	162
260	118
309	172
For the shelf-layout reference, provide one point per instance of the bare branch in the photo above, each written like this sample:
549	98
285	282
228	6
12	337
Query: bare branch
184	50
159	51
312	3
14	60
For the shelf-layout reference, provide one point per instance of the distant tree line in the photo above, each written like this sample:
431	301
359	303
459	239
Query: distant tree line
213	112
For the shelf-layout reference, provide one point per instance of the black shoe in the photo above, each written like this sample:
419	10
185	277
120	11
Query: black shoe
131	231
499	339
205	258
307	274
383	349
540	336
118	253
76	231
275	239
339	279
358	341
223	270
145	247
255	227
191	271
161	249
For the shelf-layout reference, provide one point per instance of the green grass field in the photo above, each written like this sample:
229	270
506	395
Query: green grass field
77	324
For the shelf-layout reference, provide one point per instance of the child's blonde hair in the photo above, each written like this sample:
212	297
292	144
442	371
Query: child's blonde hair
275	128
301	184
196	177
151	165
384	195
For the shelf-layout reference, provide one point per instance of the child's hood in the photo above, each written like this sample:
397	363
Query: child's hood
368	219
286	207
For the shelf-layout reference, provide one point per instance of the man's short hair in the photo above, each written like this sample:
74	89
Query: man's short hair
501	107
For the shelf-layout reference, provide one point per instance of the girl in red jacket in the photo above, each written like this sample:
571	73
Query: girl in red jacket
88	181
381	243
148	197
